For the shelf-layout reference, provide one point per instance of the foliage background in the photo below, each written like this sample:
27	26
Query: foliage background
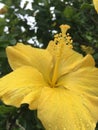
46	17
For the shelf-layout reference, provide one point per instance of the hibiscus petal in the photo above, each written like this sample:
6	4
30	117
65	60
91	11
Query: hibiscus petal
23	85
62	109
21	55
96	4
81	80
84	81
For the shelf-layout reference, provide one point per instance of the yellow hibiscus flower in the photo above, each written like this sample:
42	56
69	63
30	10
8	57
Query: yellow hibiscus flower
57	81
95	2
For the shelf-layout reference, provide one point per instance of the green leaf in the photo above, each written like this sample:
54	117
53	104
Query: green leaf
86	6
5	109
95	56
2	54
69	12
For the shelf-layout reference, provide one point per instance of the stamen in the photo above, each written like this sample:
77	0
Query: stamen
60	40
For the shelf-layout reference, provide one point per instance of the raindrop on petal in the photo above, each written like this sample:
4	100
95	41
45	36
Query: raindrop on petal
88	125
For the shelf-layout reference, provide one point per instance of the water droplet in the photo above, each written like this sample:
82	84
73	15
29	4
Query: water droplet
88	125
49	126
80	119
80	128
56	127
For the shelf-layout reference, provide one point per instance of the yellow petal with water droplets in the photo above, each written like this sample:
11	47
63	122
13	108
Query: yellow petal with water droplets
20	55
81	80
22	86
61	109
96	4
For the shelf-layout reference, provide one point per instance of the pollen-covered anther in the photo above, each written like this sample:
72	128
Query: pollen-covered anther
63	37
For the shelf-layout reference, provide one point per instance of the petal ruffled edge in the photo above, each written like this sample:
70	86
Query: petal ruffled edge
23	85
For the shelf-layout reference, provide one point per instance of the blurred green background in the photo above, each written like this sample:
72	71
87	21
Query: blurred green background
36	23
